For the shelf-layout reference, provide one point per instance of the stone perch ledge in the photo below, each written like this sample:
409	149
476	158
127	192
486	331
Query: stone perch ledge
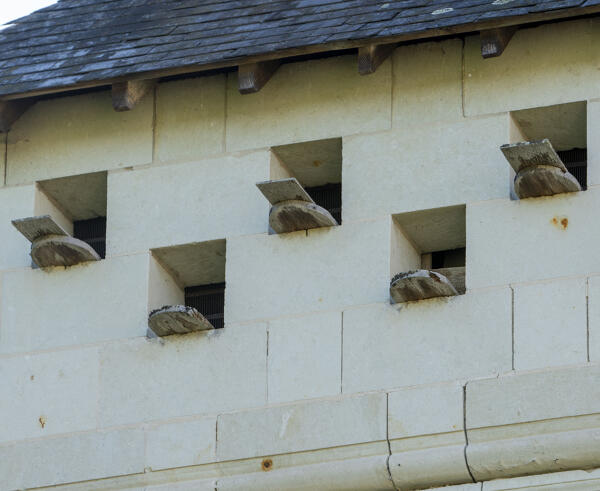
540	172
51	245
292	207
177	319
419	285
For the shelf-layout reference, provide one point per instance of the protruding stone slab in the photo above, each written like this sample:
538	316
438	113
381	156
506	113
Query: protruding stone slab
293	209
34	228
51	245
293	215
455	275
419	285
540	172
60	250
283	190
177	319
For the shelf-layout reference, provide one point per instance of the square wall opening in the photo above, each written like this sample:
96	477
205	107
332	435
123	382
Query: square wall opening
196	278
565	125
438	240
317	165
78	204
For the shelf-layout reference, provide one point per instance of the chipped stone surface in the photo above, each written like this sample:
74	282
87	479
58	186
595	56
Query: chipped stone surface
61	251
283	190
294	215
419	285
34	228
177	319
544	180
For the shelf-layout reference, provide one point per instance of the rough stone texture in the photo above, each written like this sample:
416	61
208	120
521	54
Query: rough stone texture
279	190
549	64
198	373
226	203
550	324
310	100
102	313
48	393
177	319
424	342
401	164
181	443
530	239
54	251
76	135
294	215
455	275
70	458
420	285
34	228
523	155
302	426
292	268
190	118
534	182
305	356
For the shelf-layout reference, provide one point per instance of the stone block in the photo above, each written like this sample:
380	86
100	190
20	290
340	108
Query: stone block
305	356
78	134
15	202
425	410
427	83
427	341
90	302
183	375
550	322
192	485
540	395
48	393
593	144
325	269
544	65
181	443
309	100
400	165
190	118
594	317
530	240
179	204
71	458
302	426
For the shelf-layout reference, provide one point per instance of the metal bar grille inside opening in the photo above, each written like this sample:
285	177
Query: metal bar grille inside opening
209	300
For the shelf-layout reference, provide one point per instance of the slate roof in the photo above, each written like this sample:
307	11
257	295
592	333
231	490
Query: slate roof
74	42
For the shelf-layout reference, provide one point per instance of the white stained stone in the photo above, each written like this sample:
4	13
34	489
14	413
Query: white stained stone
528	240
302	426
555	481
550	323
195	485
197	373
594	317
275	275
183	203
545	65
181	443
425	410
305	356
309	100
71	458
86	303
593	143
48	393
429	341
533	396
190	118
427	83
76	135
15	202
456	162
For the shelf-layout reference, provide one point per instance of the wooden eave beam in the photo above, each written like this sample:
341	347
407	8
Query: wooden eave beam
373	55
253	76
125	95
495	41
10	111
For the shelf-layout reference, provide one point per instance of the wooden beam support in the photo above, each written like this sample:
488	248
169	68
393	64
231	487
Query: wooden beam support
10	111
125	95
373	55
494	41
253	76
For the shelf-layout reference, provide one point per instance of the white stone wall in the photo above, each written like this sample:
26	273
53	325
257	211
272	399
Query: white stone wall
316	382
